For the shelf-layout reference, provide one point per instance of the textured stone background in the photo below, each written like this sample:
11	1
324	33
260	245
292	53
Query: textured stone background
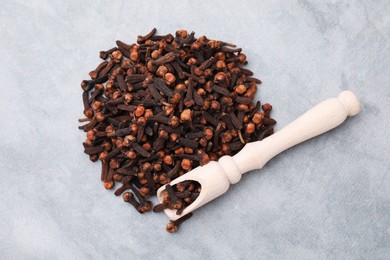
325	199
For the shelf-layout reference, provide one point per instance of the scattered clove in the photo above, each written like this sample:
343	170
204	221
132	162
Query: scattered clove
160	107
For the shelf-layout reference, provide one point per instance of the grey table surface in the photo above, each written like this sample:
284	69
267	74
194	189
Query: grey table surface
328	198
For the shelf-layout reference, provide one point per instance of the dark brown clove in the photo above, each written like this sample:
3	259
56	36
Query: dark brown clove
104	54
142	39
173	226
159	108
170	56
161	86
94	73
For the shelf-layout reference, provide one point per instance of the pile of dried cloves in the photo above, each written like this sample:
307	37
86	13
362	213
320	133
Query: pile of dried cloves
162	106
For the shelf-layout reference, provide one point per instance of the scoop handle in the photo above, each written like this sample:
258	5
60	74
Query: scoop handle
320	119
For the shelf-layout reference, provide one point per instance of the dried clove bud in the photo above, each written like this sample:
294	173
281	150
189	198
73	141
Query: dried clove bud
160	107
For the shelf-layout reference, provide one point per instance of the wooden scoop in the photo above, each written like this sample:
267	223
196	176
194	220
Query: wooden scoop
216	177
